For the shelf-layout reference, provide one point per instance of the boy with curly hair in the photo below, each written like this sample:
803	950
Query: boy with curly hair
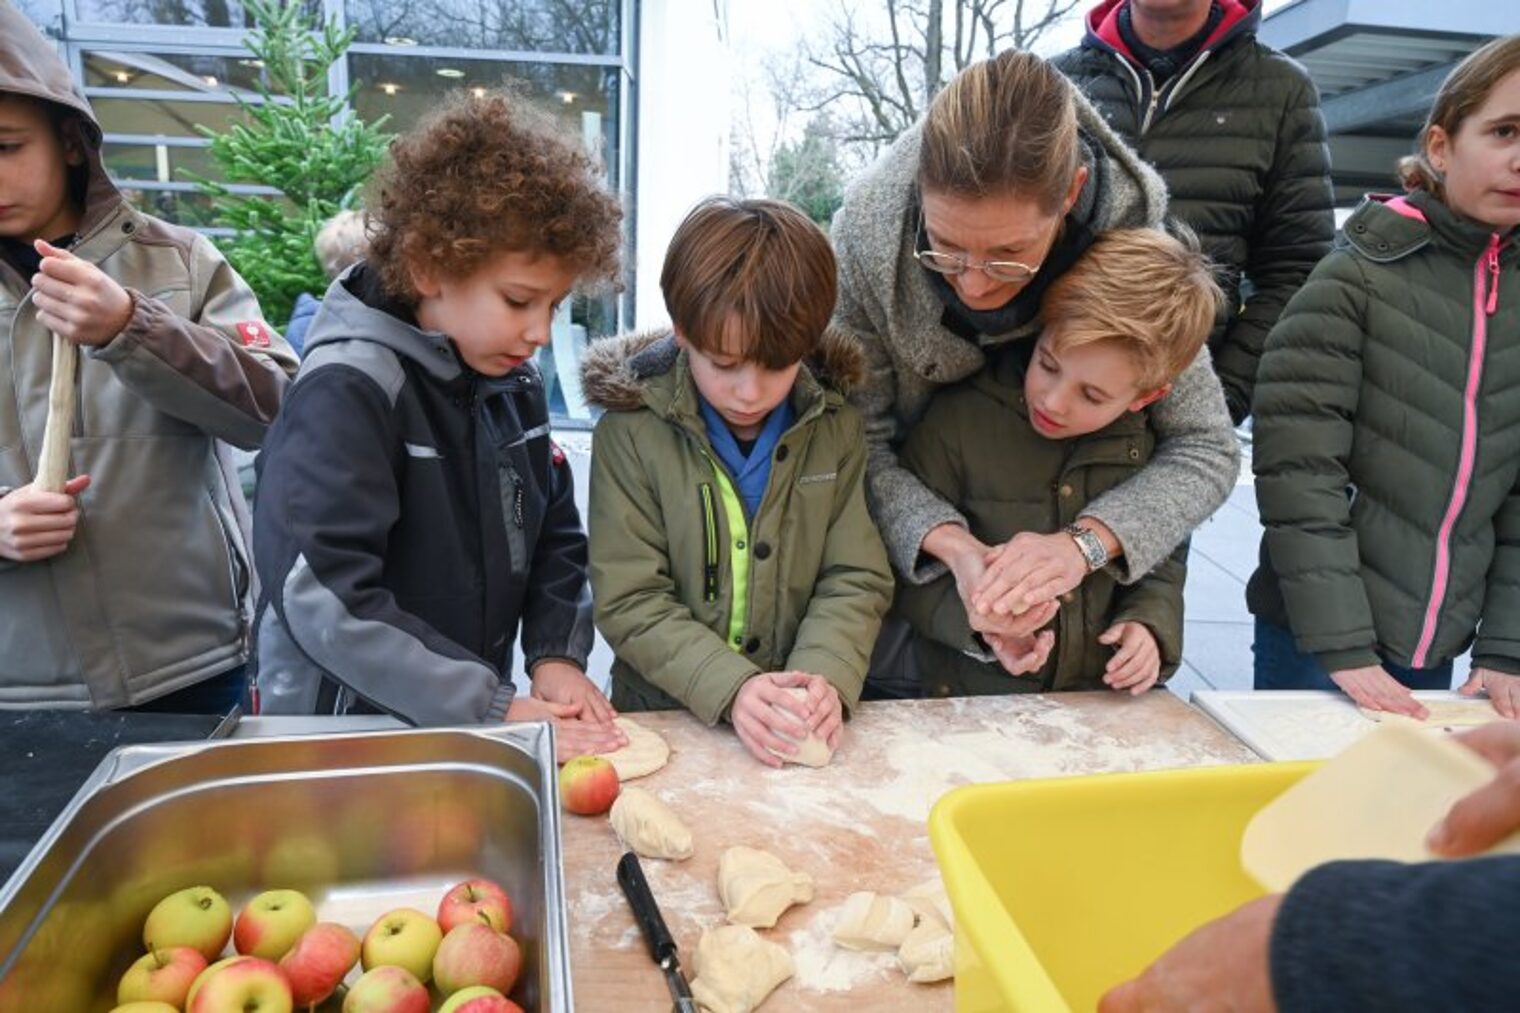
412	511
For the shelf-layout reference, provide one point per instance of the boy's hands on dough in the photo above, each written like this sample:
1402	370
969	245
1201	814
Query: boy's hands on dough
560	681
1136	664
573	735
767	718
36	525
1372	687
77	300
966	556
1490	814
1026	571
825	711
1021	655
1503	689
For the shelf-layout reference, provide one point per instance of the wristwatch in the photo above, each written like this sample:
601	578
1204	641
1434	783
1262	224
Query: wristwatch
1094	552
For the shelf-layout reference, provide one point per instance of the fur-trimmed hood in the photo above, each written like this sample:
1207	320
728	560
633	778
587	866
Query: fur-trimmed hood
616	371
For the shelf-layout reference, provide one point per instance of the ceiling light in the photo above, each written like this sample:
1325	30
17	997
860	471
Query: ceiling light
568	96
389	88
452	73
211	80
251	63
123	76
478	92
400	40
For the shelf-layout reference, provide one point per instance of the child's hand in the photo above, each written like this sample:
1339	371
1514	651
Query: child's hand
1028	570
1503	689
562	682
573	736
77	300
766	717
1372	687
1021	655
36	525
1136	664
826	711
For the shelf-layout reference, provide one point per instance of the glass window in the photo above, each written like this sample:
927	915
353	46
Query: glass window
190	73
163	163
183	207
556	26
582	98
163	117
191	13
45	14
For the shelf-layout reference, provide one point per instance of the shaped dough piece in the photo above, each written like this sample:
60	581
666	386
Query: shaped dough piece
650	827
811	751
646	752
756	886
930	902
1443	714
736	969
873	921
927	953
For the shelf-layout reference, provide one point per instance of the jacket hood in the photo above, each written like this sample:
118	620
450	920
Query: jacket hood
1241	17
1385	227
29	65
615	372
356	308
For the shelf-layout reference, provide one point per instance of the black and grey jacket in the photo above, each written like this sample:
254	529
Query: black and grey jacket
410	514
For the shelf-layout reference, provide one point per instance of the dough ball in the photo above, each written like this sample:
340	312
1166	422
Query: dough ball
873	921
647	825
756	886
736	969
927	953
646	752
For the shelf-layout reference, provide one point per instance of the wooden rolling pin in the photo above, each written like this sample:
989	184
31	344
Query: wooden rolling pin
53	462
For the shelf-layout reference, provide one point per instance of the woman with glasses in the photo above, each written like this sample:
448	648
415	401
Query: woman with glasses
945	246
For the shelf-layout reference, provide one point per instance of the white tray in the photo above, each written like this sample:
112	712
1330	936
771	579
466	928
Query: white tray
1294	724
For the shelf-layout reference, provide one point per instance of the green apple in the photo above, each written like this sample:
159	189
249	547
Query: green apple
271	923
387	989
161	976
405	938
247	985
197	917
464	995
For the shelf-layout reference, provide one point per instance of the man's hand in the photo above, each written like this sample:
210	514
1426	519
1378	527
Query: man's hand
36	525
77	300
1136	664
561	682
1372	687
1026	571
767	718
1503	689
1221	966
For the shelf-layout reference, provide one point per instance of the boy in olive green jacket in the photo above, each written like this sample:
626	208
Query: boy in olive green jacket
734	568
1023	447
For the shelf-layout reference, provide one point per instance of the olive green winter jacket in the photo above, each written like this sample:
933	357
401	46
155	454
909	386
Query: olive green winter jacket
1387	446
976	448
1238	136
693	597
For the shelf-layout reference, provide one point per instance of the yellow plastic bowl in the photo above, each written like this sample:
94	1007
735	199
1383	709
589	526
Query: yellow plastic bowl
1063	888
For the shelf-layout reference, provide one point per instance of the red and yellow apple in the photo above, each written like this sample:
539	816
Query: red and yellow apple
146	1007
244	985
588	785
405	938
161	976
464	995
269	925
197	917
318	962
489	1004
205	976
476	954
387	989
476	900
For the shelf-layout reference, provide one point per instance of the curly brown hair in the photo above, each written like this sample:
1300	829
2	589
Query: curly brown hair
481	175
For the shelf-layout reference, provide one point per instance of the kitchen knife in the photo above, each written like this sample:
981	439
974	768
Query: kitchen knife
630	876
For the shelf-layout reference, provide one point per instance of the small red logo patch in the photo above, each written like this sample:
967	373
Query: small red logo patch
555	454
253	334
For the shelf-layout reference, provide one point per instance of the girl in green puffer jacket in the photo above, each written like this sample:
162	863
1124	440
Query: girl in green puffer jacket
1388	427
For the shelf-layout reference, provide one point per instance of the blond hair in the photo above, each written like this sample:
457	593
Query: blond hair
1465	89
1004	125
1152	294
758	268
341	242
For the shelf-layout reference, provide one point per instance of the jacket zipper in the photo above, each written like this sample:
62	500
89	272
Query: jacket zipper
1149	95
710	543
1485	303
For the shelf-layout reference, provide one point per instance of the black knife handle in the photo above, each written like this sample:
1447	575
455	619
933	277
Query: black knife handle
630	876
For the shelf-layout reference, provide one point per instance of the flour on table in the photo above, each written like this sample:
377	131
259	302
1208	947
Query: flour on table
824	967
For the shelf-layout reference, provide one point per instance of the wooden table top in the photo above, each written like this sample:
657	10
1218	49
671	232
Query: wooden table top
858	824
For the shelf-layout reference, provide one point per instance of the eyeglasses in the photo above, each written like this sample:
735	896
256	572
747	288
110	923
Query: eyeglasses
952	264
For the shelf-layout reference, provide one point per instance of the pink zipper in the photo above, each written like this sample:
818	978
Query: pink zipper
1484	305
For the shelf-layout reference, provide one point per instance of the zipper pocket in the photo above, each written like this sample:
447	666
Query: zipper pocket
511	493
710	543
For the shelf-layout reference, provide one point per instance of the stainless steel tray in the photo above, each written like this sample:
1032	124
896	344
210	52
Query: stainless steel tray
363	823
